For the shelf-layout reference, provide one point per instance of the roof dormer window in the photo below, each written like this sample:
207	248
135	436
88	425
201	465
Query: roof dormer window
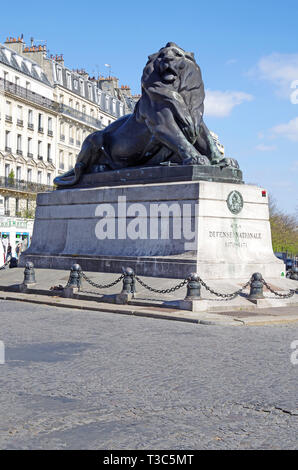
59	75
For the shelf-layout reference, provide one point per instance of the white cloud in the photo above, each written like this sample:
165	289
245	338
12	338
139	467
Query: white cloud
221	103
288	130
280	69
266	148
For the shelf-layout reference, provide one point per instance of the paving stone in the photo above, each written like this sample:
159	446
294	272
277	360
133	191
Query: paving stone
88	380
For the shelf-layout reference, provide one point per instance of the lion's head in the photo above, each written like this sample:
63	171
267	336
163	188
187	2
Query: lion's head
170	62
172	77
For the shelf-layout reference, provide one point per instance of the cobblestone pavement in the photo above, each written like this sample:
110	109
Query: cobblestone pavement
89	380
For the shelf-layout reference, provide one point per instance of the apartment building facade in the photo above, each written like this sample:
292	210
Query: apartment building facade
46	112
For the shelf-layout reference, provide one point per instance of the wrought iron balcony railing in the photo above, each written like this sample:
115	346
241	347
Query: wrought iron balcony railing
22	92
64	109
25	186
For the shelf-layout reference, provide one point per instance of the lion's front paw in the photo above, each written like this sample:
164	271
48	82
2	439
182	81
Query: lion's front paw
229	162
196	160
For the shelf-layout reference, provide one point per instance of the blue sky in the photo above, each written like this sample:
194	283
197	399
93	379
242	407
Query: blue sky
247	50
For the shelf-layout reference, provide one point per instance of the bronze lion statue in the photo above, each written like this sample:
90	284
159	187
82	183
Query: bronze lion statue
166	126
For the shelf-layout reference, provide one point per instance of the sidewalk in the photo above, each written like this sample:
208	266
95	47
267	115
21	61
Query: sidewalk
236	312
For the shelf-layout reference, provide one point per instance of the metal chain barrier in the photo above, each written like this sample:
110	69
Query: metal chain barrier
5	264
193	282
101	286
282	296
161	291
225	296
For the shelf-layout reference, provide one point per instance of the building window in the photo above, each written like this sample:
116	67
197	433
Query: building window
29	148
68	77
20	115
29	175
19	144
39	177
6	205
82	87
39	148
70	162
19	173
61	160
7	141
49	152
30	119
62	131
59	75
8	114
49	179
40	123
17	206
50	127
7	170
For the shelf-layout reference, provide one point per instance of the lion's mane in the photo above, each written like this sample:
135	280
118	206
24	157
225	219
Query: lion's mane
184	97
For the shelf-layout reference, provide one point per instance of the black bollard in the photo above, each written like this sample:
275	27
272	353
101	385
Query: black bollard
129	286
29	274
193	287
256	287
74	280
294	274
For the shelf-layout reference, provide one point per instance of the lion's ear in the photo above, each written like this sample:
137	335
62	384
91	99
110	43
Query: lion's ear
190	55
172	44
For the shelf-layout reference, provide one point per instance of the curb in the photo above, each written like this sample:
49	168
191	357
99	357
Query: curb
203	318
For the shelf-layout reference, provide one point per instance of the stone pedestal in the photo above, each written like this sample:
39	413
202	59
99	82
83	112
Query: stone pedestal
160	229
